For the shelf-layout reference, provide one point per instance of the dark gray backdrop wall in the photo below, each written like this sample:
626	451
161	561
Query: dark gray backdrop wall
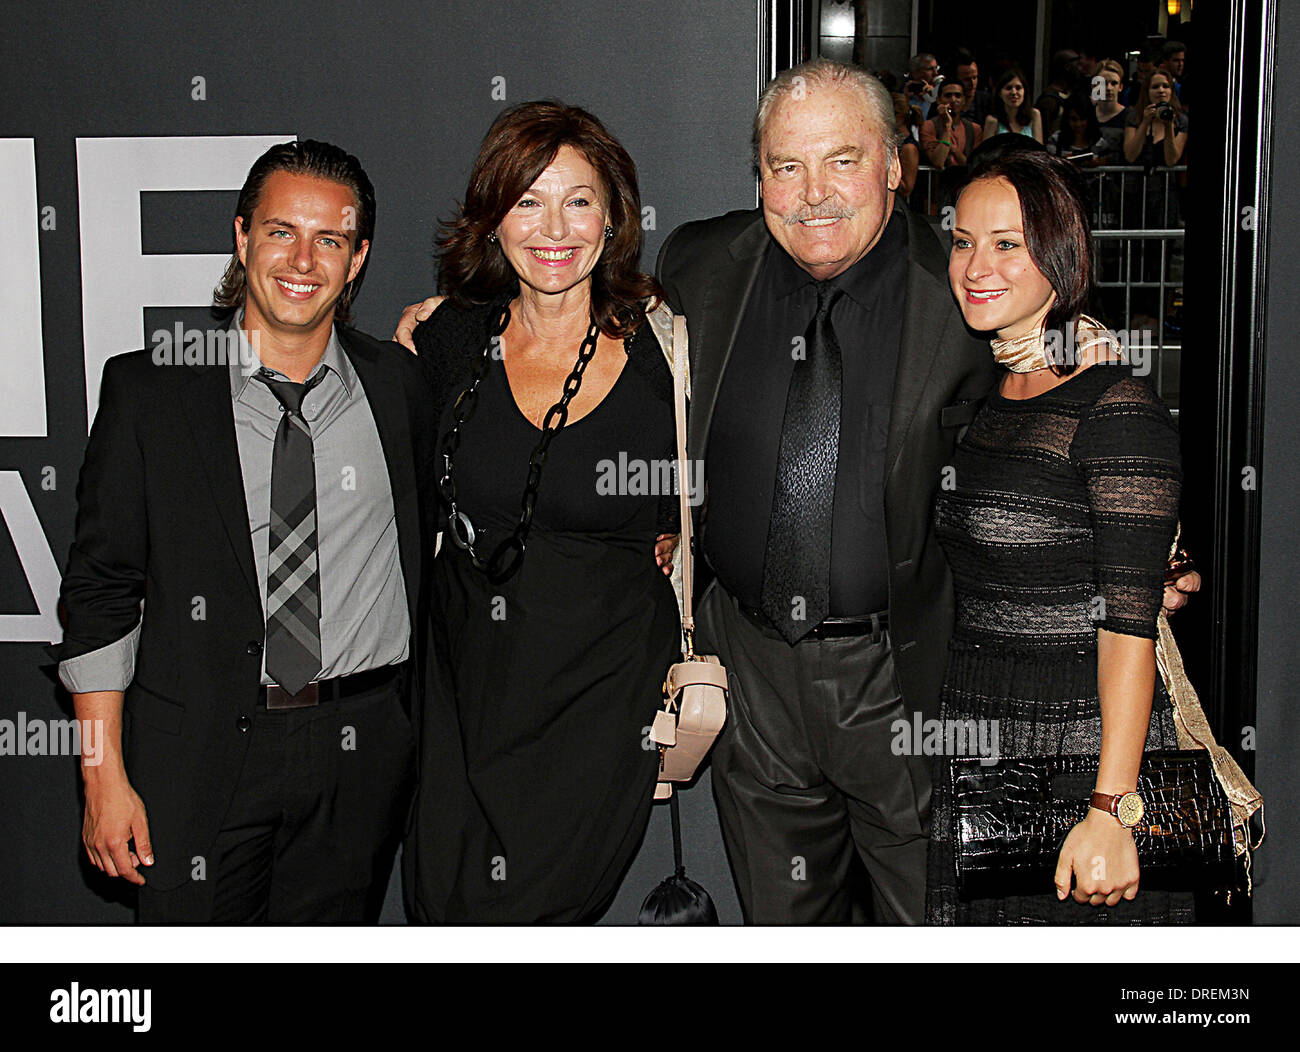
1278	719
98	256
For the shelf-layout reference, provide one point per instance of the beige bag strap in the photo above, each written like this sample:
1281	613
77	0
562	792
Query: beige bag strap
684	547
1194	733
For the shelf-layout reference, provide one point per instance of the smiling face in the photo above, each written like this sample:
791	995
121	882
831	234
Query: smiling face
828	180
1013	94
997	285
298	254
555	232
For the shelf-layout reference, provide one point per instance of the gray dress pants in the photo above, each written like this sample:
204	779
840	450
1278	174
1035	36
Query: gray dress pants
804	773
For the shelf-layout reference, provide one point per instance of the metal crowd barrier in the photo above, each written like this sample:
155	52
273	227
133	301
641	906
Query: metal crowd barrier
1141	272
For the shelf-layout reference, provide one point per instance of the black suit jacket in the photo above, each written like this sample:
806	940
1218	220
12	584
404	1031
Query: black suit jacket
161	517
708	269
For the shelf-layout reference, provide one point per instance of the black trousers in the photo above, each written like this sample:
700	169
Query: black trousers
318	809
804	774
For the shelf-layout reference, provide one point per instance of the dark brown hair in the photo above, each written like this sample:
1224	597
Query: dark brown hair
517	149
1025	115
322	160
1054	213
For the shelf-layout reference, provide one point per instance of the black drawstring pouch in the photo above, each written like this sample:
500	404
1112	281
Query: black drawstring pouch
677	900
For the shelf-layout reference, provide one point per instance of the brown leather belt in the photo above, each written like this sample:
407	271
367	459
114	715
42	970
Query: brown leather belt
275	697
873	625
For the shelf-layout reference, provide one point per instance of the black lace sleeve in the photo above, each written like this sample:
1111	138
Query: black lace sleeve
1126	449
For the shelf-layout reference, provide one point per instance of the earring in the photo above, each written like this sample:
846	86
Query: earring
609	233
492	238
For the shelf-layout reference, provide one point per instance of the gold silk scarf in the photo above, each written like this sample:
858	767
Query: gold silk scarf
1029	353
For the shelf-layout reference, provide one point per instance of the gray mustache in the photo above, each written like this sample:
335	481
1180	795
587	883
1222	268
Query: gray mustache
820	213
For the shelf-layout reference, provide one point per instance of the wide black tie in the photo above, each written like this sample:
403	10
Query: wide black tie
293	657
797	563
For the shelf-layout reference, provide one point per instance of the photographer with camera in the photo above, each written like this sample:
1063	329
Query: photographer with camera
1156	136
923	82
947	138
1157	127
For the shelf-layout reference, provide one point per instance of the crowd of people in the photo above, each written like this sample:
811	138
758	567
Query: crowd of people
1124	127
1093	111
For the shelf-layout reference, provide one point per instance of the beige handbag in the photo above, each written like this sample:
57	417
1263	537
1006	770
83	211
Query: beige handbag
695	689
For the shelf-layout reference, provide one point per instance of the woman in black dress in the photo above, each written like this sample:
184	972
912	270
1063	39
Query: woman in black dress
554	622
1057	530
1155	135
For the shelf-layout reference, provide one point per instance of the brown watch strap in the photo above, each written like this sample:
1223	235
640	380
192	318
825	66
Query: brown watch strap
1127	816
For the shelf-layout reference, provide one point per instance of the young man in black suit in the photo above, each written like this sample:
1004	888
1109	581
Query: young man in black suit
244	595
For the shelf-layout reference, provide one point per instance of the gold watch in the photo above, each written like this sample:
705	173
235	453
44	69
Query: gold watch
1127	808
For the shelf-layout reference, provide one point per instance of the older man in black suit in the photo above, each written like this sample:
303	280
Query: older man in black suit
831	375
269	509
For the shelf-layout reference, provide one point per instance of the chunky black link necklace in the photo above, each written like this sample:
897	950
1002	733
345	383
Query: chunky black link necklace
508	555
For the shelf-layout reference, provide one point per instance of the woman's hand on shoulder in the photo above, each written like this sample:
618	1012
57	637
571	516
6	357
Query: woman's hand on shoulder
411	317
1101	855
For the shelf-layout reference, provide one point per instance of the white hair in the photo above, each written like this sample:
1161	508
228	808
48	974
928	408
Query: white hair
827	74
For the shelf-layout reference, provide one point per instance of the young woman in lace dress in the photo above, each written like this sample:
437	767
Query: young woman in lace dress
1057	530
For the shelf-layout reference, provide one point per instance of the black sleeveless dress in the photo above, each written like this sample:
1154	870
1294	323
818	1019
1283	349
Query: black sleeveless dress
551	679
1059	523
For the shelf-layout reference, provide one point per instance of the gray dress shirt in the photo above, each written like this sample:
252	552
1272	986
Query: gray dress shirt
365	622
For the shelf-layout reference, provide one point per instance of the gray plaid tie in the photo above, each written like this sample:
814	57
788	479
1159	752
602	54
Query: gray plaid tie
292	572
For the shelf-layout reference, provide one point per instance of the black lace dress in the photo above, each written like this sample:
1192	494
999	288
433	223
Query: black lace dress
535	779
1059	523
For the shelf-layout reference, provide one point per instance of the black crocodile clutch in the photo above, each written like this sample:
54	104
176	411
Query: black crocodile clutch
1011	817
